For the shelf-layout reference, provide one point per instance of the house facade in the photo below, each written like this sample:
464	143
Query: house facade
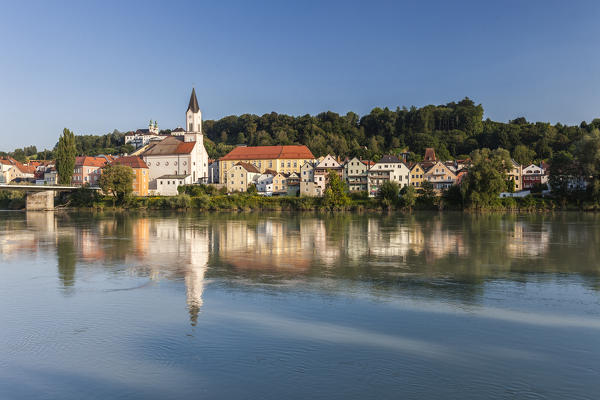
167	185
440	176
240	176
88	170
417	175
141	173
12	170
533	175
355	175
323	168
264	184
388	168
516	174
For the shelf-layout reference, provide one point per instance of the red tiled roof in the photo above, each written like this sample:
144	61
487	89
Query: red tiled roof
88	161
248	167
268	153
185	148
26	169
130	161
430	154
368	163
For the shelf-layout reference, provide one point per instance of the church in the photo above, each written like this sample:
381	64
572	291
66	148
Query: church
179	158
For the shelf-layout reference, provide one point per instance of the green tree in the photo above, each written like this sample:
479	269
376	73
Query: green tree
409	196
523	155
65	157
335	192
389	193
252	189
562	170
117	180
427	197
486	178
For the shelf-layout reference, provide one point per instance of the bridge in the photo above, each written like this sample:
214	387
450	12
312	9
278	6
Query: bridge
40	197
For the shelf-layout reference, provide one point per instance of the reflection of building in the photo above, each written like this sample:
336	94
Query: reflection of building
525	242
269	245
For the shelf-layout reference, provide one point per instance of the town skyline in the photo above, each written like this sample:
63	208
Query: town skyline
128	65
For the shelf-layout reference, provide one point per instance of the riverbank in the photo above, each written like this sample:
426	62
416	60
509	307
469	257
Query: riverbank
246	202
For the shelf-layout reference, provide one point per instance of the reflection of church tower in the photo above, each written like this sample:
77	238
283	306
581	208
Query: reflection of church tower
195	270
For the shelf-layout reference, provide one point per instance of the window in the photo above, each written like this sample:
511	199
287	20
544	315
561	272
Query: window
157	163
175	163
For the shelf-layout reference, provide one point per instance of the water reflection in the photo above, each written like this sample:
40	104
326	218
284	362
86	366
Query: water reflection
436	250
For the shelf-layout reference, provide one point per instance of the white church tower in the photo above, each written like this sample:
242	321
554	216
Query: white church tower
193	133
193	118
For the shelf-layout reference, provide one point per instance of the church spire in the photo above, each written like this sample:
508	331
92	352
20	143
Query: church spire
193	102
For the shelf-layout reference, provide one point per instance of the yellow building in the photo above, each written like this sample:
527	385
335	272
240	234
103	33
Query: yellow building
440	176
516	174
240	176
417	175
141	173
284	159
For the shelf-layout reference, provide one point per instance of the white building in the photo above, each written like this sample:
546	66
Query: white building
264	184
180	155
142	137
399	172
167	185
356	175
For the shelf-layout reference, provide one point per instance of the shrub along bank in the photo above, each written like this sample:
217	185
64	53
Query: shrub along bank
354	202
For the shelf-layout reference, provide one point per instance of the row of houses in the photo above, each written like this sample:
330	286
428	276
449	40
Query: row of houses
291	170
274	170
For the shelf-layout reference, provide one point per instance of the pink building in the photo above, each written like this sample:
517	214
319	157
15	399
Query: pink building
88	170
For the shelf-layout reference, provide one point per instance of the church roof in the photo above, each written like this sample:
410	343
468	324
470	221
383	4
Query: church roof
170	145
193	102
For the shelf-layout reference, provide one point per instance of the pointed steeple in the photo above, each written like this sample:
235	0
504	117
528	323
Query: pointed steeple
193	102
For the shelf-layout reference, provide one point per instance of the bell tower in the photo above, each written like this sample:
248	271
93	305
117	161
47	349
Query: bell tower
193	120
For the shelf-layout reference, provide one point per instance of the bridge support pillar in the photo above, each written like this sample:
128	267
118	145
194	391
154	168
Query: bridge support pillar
40	201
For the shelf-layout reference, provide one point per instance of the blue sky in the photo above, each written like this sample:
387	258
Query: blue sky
98	66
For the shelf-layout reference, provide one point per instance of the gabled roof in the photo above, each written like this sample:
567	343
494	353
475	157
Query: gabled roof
193	102
130	161
268	153
26	169
327	160
168	146
248	167
389	159
430	154
415	166
178	129
87	161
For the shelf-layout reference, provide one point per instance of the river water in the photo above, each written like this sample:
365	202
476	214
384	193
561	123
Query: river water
285	306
